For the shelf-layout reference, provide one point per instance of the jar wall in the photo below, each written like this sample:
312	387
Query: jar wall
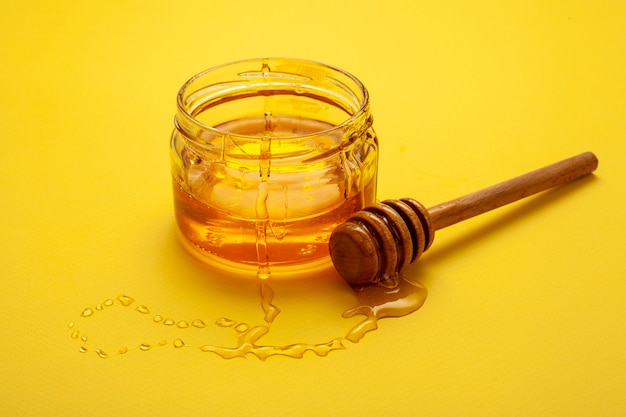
268	156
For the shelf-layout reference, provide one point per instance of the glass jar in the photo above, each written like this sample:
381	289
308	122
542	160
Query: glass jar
268	156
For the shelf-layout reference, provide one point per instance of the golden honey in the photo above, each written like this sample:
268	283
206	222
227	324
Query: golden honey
268	156
373	303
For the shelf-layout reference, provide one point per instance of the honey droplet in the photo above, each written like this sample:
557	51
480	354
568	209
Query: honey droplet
143	309
145	346
82	349
99	307
198	323
83	338
86	312
267	296
169	322
157	318
74	334
108	302
71	324
125	300
178	343
241	327
255	333
122	351
224	322
102	354
182	324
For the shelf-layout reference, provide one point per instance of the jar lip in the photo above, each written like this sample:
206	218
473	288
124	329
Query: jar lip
362	108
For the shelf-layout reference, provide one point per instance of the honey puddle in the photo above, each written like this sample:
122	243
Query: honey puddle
398	299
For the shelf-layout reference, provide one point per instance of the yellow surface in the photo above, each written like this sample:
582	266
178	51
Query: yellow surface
526	313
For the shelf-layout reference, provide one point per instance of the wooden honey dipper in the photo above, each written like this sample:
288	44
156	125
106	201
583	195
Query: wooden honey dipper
380	241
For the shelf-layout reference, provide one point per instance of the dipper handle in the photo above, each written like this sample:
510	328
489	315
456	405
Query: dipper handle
479	202
381	240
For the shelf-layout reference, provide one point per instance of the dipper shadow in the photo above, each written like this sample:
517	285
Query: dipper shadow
522	210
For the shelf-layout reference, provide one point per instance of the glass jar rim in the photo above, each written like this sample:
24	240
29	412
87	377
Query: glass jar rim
360	110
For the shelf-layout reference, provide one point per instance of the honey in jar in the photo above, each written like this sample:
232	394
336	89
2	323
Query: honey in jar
268	156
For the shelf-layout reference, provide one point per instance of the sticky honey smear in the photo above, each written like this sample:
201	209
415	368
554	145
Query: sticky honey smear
375	302
398	299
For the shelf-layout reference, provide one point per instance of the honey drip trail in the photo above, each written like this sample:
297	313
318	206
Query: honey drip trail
373	303
262	221
262	215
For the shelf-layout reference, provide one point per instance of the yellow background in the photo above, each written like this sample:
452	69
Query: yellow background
526	313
